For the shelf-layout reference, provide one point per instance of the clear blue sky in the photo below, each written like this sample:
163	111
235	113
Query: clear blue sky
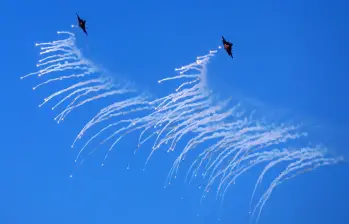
291	61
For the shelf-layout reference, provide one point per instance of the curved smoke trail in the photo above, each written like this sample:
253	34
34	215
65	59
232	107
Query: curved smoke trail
237	142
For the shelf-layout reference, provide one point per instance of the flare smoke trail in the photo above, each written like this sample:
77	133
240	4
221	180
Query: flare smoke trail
63	56
237	141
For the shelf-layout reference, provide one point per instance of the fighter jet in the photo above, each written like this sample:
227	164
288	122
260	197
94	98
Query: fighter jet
82	24
228	47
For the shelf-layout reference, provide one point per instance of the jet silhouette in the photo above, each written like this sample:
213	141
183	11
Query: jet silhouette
82	24
228	47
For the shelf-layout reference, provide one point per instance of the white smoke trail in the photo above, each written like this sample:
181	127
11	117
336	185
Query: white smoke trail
63	59
237	142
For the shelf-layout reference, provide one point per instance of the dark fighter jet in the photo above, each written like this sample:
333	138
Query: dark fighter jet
228	47
82	24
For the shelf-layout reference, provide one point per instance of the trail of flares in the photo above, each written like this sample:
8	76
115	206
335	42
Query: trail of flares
63	59
238	142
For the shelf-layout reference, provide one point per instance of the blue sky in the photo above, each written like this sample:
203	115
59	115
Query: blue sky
290	63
